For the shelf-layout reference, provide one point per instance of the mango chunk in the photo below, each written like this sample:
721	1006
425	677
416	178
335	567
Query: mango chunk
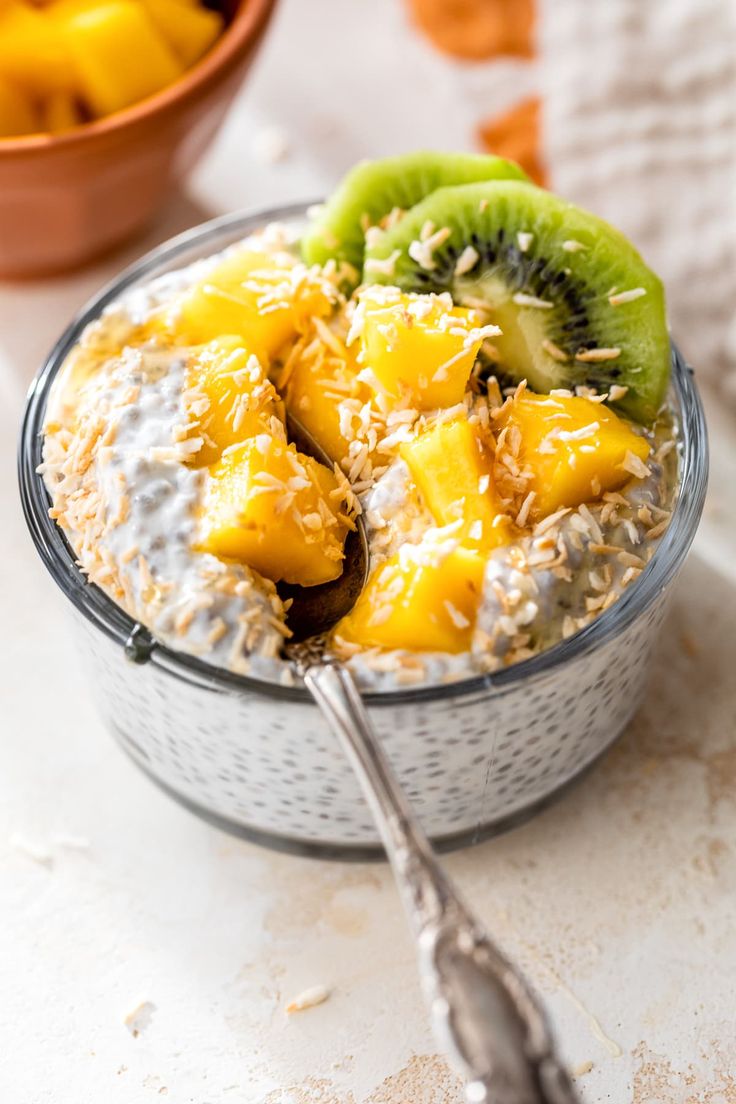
189	29
229	397
425	599
454	473
315	378
33	51
120	57
418	345
276	510
575	449
60	112
252	294
17	113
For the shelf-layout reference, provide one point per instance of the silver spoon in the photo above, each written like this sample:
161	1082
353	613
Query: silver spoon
483	1012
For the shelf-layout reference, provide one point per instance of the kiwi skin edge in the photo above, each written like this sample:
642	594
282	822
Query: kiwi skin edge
563	265
372	189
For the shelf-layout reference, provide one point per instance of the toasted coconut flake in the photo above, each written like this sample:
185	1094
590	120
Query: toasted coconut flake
467	260
523	300
604	549
550	521
384	266
595	356
554	350
422	251
523	514
581	434
658	529
618	298
459	620
628	559
635	465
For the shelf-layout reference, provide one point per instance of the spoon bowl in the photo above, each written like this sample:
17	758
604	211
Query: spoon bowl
315	610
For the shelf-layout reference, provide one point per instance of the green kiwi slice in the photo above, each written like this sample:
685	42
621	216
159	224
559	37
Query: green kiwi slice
372	189
575	301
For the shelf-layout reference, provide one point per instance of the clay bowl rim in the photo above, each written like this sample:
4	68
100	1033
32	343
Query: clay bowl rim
242	33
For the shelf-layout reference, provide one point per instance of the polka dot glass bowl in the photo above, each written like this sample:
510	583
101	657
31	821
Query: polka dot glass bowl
256	758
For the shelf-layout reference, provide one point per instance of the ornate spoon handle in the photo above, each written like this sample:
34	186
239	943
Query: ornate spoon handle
482	1010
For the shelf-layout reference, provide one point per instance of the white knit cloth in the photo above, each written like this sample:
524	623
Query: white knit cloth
639	126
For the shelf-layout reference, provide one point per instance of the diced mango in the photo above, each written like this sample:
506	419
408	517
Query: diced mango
276	510
120	57
418	345
82	58
251	294
188	28
62	10
33	52
425	599
230	397
60	112
574	448
17	113
310	382
454	473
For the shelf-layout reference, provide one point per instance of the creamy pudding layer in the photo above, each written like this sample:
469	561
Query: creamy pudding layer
167	462
116	467
541	588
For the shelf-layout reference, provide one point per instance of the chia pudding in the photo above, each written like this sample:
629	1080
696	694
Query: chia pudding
491	391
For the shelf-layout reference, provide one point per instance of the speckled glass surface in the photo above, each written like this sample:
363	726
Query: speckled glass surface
472	756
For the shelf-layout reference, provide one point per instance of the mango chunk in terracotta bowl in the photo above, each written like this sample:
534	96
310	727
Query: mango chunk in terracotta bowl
105	106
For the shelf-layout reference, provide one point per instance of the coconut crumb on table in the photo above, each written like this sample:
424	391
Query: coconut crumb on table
139	1017
34	850
309	998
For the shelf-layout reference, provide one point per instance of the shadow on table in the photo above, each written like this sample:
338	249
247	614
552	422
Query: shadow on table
674	768
641	844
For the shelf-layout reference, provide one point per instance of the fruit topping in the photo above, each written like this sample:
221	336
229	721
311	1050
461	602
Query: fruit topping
276	510
262	297
79	60
18	114
571	450
425	598
575	302
420	346
229	398
320	387
453	470
102	40
375	193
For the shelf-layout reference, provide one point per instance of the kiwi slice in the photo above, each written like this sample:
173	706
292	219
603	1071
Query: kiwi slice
575	301
373	189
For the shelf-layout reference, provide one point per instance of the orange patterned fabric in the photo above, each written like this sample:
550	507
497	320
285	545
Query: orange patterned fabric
478	29
517	134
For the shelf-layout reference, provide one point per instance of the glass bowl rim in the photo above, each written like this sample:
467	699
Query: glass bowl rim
108	617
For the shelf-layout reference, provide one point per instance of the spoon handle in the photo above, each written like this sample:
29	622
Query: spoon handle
482	1010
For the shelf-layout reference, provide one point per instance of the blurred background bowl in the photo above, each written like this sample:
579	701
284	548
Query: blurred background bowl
65	199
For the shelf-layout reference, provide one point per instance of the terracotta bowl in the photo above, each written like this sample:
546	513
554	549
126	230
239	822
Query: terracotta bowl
66	198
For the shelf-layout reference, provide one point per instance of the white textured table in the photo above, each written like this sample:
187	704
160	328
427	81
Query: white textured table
619	902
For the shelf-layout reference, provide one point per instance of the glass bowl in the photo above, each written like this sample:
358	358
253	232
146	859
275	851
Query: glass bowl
256	758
